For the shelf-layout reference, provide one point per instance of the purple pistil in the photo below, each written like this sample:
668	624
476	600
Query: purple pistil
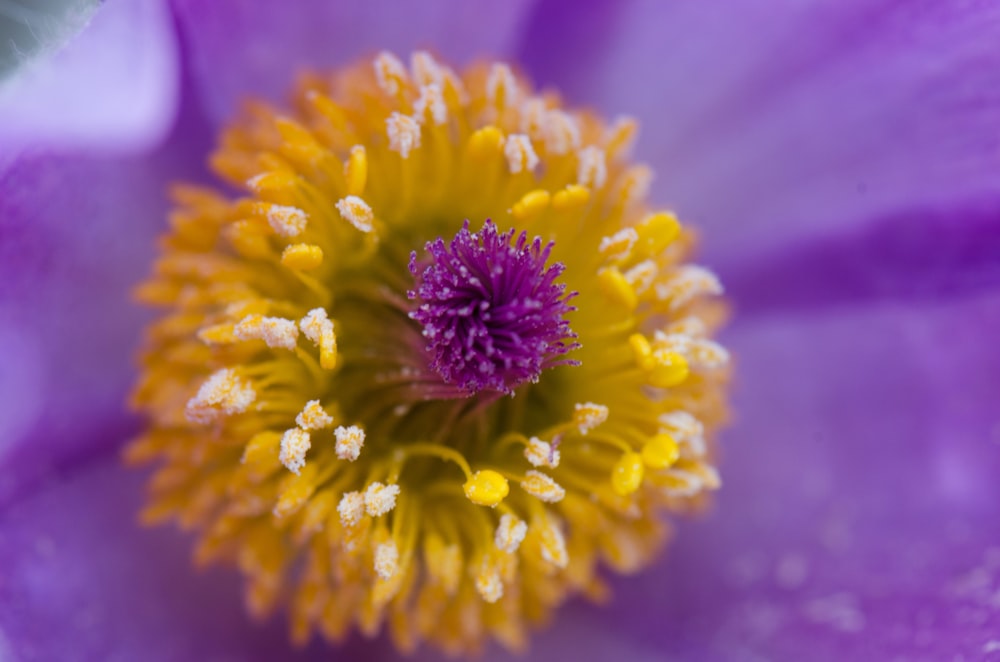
491	311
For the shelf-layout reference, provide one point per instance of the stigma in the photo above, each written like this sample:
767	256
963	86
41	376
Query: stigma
436	366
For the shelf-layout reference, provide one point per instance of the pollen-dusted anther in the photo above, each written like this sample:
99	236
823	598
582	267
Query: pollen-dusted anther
351	509
404	134
318	328
592	171
588	415
313	417
520	154
223	393
542	487
386	560
388	420
349	442
541	453
274	331
295	443
510	533
357	212
380	499
486	488
491	312
287	221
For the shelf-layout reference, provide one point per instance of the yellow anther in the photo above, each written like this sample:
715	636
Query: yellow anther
356	170
615	287
486	488
218	334
619	246
293	132
261	452
626	475
444	563
273	182
485	142
642	350
295	492
658	231
571	197
660	452
669	369
531	205
302	257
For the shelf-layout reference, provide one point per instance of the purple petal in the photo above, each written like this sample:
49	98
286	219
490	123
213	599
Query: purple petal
240	49
770	120
78	233
112	88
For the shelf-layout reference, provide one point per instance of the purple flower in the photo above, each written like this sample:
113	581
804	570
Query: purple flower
491	312
842	161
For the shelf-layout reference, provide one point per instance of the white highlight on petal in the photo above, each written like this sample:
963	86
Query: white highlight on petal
295	443
349	442
403	132
222	393
380	499
520	153
357	212
274	331
287	221
591	169
510	533
541	453
313	417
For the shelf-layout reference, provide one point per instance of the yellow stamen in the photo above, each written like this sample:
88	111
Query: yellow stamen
486	488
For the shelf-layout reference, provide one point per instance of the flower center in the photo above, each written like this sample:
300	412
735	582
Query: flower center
491	311
323	390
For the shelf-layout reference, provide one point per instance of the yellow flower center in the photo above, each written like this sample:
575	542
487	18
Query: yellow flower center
298	421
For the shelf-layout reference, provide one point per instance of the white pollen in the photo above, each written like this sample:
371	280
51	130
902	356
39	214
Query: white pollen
553	545
591	169
541	453
520	154
589	415
510	533
619	245
357	212
501	86
708	355
542	487
287	221
403	132
426	70
561	132
687	284
316	324
691	326
431	102
386	560
349	442
488	582
313	417
389	73
222	393
533	113
380	499
641	276
274	331
351	508
294	446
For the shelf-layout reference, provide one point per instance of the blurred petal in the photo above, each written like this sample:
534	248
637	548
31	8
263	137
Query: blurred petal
919	255
78	233
771	120
113	88
240	48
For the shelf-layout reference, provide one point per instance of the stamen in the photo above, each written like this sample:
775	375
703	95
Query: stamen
274	331
287	221
510	533
386	560
351	509
542	487
302	257
349	442
390	73
357	212
222	393
541	453
486	488
626	475
592	172
380	499
431	104
488	582
313	417
501	87
520	154
295	443
404	134
588	416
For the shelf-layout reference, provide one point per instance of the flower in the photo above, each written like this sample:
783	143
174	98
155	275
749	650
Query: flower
841	161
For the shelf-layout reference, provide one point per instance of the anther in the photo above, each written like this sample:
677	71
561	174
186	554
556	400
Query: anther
660	452
313	417
302	257
222	393
349	442
274	331
390	73
626	475
356	211
287	221
541	453
520	154
486	488
386	560
510	533
591	169
404	134
587	416
542	487
295	443
380	499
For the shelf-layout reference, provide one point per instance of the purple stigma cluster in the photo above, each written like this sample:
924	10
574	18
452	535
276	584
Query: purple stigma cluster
491	311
